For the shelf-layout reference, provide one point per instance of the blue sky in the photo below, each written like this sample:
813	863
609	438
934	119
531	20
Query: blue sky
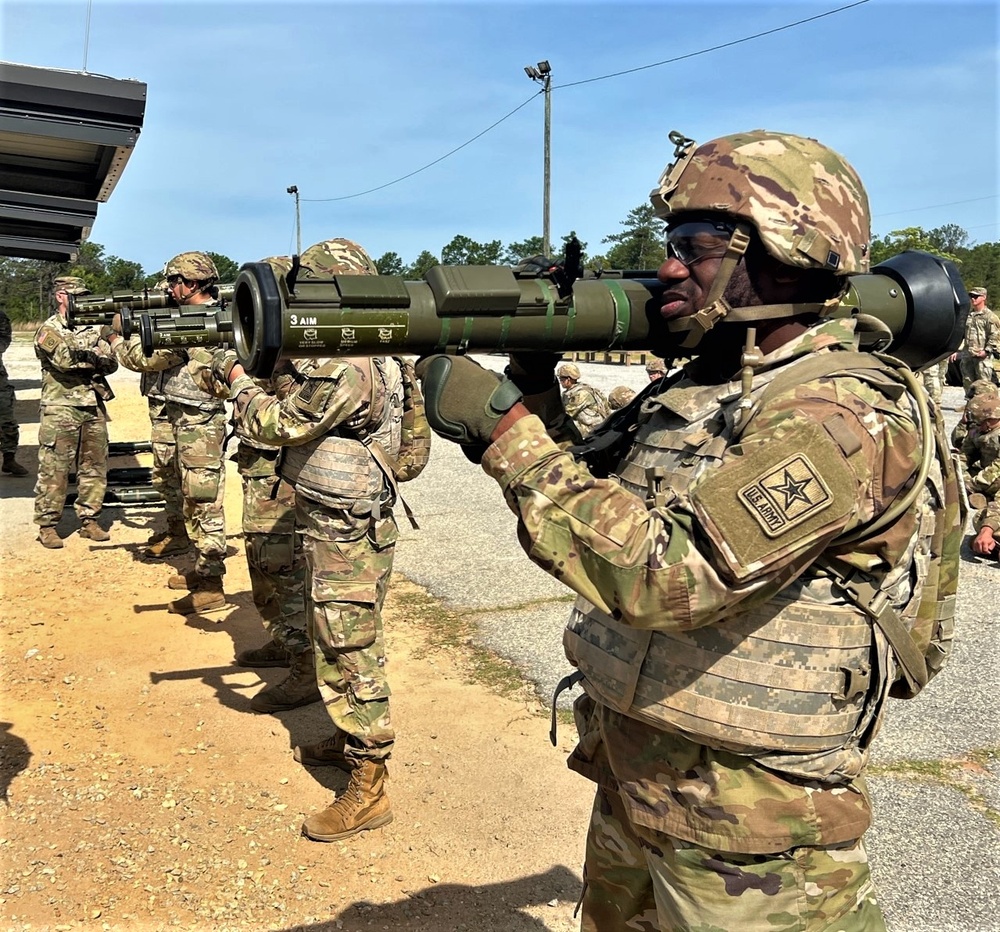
245	99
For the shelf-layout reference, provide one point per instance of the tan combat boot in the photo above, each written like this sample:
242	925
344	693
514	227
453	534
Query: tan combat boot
48	537
327	753
91	530
364	805
174	540
208	597
297	689
189	581
272	654
12	467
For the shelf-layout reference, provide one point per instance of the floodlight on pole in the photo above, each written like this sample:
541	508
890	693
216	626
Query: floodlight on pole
294	189
542	74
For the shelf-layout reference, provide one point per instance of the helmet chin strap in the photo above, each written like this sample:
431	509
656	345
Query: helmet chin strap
717	308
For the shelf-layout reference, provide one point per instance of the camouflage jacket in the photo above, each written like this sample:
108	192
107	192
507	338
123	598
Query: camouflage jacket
165	375
981	455
682	556
982	332
74	363
335	399
586	405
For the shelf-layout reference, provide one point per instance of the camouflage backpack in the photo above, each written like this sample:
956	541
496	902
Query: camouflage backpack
409	449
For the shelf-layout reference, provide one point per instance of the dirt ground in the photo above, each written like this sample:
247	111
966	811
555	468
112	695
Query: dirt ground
140	792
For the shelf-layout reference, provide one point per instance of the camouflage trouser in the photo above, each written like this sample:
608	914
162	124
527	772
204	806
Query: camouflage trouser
934	379
198	436
273	548
974	368
348	564
638	880
166	479
9	432
62	431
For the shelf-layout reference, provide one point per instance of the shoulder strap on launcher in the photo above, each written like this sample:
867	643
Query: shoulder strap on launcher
921	645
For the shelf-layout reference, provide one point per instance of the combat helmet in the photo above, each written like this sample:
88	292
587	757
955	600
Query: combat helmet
620	396
336	257
194	266
280	265
656	365
983	408
805	201
982	387
569	370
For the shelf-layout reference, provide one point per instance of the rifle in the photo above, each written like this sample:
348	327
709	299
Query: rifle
99	310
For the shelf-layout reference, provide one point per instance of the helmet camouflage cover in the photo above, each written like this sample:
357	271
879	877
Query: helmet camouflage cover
71	284
336	257
194	266
280	265
569	370
656	365
805	200
620	396
982	387
983	408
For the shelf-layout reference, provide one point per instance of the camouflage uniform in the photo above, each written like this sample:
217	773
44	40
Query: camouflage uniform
9	431
981	387
165	477
584	404
188	436
349	542
980	451
643	564
273	545
732	685
73	424
329	420
934	378
982	333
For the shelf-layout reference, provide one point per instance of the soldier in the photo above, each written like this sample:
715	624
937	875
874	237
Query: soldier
620	396
9	430
740	550
656	369
980	454
73	423
584	404
977	389
336	426
188	435
165	476
274	555
981	346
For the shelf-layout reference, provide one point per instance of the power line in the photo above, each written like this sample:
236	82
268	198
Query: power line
908	210
715	48
668	61
345	197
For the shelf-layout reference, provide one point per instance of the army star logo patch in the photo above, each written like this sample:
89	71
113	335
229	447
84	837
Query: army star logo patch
787	495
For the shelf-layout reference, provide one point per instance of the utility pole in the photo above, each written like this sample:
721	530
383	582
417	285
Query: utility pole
542	74
294	189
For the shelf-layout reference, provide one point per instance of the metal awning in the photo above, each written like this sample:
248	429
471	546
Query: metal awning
65	138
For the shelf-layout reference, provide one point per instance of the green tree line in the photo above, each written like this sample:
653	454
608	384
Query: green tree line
25	284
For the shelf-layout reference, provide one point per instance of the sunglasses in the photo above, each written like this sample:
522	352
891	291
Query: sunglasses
695	240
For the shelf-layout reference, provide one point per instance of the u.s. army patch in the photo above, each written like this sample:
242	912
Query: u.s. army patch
787	495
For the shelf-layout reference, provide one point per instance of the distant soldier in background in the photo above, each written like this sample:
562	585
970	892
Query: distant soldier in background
656	369
620	396
981	387
980	453
934	378
9	431
583	403
72	423
981	347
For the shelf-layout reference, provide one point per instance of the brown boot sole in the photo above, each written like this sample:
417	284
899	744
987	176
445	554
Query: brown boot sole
178	608
377	822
